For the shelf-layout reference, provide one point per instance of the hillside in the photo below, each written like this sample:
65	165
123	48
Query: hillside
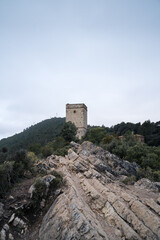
47	130
150	130
40	133
91	203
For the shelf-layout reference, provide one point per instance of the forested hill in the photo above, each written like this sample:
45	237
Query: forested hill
49	129
40	133
150	131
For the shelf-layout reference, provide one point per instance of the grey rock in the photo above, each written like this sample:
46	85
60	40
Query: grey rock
73	144
158	200
72	155
103	167
11	197
12	218
42	204
1	210
10	236
157	185
16	221
22	224
80	166
145	183
96	205
3	234
6	227
48	179
88	174
108	162
31	190
19	222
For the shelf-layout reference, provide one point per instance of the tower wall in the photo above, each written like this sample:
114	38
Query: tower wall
77	114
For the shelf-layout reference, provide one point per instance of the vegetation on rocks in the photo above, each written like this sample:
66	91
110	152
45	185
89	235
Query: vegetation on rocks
44	187
53	136
96	205
129	148
16	167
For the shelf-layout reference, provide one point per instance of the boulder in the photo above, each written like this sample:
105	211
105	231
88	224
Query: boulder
18	222
72	155
6	227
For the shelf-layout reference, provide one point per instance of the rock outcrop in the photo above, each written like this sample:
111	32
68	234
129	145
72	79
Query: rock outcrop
95	204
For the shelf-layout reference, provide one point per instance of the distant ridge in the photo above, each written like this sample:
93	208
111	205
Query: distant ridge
41	133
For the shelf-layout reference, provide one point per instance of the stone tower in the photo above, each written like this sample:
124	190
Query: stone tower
77	114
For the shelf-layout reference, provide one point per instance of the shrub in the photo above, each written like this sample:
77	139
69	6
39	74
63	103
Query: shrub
129	180
69	131
150	160
36	148
5	177
47	151
95	135
156	176
107	139
58	143
62	151
38	193
22	164
41	191
145	173
58	180
3	157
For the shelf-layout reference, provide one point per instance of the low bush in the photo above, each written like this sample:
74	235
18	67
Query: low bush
6	175
58	180
42	191
129	180
38	193
15	168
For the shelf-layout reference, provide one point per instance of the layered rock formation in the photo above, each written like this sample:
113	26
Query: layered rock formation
95	204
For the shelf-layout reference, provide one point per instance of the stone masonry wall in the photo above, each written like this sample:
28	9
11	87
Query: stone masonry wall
77	113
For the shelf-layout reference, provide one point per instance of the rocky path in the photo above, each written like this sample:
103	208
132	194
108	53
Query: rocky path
96	205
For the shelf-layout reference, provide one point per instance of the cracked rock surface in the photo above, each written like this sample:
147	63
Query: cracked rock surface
95	204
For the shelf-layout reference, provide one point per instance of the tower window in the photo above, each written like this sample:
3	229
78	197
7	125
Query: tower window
74	111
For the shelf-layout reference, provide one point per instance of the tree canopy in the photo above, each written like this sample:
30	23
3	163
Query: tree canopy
69	131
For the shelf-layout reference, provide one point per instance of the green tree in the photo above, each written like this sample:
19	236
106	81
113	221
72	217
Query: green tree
107	139
96	134
47	151
69	131
5	177
22	164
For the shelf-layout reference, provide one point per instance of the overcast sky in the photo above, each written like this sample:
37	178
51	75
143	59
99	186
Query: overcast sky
104	53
